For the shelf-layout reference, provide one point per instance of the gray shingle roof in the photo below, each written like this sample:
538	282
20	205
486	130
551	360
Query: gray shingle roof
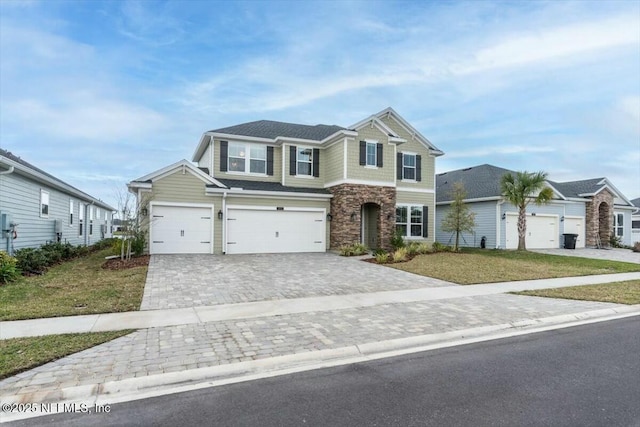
479	181
269	186
271	130
575	188
636	202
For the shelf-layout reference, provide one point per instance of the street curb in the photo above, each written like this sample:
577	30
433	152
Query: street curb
175	382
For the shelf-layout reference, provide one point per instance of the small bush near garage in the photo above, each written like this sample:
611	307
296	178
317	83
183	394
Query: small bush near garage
356	249
8	268
31	260
636	247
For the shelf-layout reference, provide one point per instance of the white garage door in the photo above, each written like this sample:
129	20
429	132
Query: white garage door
181	230
575	226
542	231
251	231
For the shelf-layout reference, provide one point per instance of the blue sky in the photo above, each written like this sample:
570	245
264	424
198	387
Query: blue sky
101	92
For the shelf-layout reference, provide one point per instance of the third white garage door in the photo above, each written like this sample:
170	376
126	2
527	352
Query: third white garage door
274	230
542	231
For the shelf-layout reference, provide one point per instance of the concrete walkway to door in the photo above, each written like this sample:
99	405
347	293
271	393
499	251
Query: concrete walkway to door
178	281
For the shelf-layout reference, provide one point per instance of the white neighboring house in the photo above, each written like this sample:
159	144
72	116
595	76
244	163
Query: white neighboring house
591	208
635	222
37	208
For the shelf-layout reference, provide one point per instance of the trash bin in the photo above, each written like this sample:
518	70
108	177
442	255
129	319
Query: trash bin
570	240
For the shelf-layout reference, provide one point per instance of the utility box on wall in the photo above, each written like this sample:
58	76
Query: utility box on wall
58	226
5	222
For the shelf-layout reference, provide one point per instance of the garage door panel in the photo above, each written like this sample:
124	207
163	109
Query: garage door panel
180	229
542	231
274	231
575	226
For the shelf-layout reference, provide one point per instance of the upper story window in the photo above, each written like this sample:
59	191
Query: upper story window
246	158
304	161
44	203
370	154
409	167
70	212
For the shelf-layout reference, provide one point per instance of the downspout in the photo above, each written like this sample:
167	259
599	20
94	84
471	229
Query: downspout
224	222
8	171
498	223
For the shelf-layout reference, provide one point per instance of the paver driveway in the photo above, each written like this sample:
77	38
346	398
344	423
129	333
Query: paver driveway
176	281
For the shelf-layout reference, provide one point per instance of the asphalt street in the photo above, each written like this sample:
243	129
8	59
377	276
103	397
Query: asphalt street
581	376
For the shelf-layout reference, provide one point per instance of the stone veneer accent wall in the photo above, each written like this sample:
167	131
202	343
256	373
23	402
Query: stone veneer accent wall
349	198
593	219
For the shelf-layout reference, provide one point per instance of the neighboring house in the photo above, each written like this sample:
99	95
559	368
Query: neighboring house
635	221
591	209
268	186
37	208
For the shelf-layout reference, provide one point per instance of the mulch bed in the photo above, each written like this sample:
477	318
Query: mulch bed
119	264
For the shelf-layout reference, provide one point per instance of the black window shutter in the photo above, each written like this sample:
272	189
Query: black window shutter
379	155
293	158
425	221
224	147
399	161
363	153
316	162
418	167
270	161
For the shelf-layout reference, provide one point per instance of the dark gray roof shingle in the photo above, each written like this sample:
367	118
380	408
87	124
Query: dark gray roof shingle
269	186
479	181
575	188
271	130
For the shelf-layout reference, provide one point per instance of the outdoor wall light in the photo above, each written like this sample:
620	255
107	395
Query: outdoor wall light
329	217
144	212
562	218
504	216
353	216
220	214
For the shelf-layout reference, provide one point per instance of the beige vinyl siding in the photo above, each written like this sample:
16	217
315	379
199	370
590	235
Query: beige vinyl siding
421	199
359	172
333	169
309	182
414	146
319	204
205	160
277	166
187	188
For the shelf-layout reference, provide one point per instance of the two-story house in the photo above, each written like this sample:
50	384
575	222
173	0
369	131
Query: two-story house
265	187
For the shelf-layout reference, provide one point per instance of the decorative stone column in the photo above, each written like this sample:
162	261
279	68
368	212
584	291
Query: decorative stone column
599	218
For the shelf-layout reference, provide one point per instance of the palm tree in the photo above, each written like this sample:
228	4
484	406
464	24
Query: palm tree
520	189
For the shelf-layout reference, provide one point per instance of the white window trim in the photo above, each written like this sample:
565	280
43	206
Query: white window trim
409	223
616	226
310	175
247	159
71	213
48	204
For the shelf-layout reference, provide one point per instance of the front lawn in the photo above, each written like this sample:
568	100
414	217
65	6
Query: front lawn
21	354
80	286
473	266
619	292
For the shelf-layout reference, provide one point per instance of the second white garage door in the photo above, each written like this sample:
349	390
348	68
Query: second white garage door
575	225
542	231
269	230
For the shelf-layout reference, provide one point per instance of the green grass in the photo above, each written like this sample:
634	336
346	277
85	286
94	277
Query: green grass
619	292
76	287
473	266
21	354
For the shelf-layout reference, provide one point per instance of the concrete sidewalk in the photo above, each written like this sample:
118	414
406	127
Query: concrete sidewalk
225	312
183	349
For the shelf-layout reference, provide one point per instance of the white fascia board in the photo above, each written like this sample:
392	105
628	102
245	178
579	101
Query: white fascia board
340	134
555	190
53	182
134	184
202	146
171	168
410	129
617	192
624	208
361	182
232	192
229	136
378	123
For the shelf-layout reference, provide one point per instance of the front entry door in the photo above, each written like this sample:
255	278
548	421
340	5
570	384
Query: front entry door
370	215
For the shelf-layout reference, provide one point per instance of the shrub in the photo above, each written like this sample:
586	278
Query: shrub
636	247
355	249
424	248
53	252
439	247
397	241
379	251
31	260
8	268
615	241
105	243
382	257
399	255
